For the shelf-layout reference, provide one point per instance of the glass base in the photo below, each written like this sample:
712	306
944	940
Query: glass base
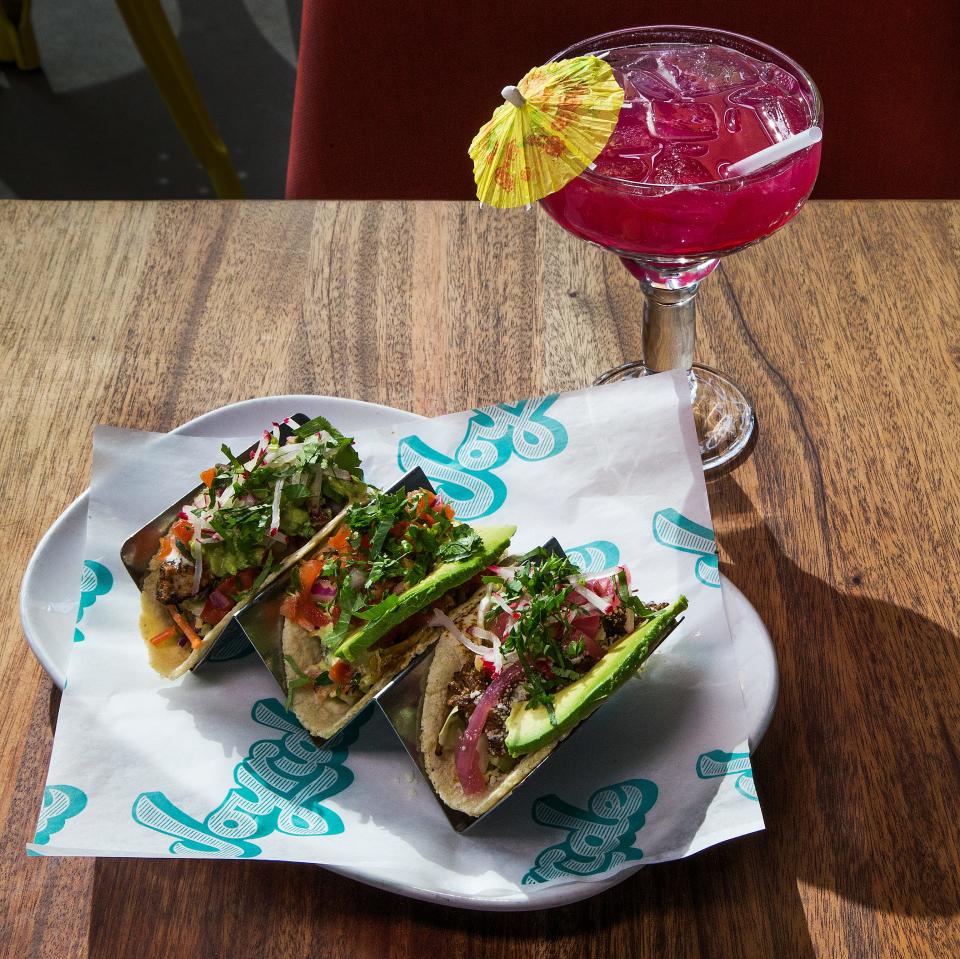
724	417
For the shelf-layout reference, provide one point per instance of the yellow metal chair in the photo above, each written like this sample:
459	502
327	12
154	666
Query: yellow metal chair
17	42
167	66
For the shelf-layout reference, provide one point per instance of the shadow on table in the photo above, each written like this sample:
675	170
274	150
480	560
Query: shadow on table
858	775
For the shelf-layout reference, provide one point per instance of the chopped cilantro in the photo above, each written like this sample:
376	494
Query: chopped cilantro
301	679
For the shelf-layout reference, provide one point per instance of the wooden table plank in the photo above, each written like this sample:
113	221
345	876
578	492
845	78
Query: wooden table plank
841	529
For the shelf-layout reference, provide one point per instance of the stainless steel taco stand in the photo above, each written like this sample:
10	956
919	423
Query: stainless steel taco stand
141	547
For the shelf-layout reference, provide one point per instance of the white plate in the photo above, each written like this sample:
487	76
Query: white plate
49	601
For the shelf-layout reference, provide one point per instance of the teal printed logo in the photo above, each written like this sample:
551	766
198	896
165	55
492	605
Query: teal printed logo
594	557
280	785
494	434
95	581
718	763
673	529
60	803
599	838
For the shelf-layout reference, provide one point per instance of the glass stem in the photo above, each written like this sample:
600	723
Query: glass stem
669	326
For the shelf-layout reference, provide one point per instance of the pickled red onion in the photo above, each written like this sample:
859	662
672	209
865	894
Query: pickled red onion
467	761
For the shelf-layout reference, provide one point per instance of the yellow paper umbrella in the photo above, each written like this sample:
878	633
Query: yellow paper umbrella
552	126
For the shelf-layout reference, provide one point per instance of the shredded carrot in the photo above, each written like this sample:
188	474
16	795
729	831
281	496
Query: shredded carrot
168	633
207	476
184	626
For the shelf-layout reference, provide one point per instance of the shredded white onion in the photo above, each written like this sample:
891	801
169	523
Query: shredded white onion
441	619
226	496
483	607
593	599
261	446
275	509
197	550
498	599
493	653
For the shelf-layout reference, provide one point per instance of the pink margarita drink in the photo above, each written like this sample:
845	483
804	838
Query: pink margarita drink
660	188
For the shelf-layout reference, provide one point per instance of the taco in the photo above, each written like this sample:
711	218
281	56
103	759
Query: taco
358	609
248	522
521	665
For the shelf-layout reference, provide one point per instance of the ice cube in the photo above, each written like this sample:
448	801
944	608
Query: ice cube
683	121
671	166
771	73
781	114
626	167
632	136
691	149
702	70
731	119
653	86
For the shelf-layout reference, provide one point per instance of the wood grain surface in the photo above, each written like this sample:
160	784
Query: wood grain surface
842	529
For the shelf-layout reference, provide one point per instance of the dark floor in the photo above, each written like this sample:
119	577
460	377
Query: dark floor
91	125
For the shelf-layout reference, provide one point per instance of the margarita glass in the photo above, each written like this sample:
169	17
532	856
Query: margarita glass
660	196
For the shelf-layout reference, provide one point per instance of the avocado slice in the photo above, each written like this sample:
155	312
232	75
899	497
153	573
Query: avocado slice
529	729
445	577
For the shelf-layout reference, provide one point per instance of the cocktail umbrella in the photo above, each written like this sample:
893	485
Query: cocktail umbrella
552	126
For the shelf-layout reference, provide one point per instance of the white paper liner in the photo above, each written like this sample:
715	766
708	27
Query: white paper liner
212	766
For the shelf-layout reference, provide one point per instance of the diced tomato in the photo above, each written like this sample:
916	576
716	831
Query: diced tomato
544	666
340	672
309	615
182	530
425	502
588	625
207	476
339	540
487	667
288	607
228	587
398	529
365	541
247	577
606	586
309	571
448	511
216	607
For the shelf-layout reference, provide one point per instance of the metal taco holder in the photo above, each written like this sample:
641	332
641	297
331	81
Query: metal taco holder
141	547
401	701
260	619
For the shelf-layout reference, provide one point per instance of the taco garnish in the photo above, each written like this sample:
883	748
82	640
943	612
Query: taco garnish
247	523
535	652
358	608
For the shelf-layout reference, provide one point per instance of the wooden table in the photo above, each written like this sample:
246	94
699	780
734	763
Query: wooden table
842	528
